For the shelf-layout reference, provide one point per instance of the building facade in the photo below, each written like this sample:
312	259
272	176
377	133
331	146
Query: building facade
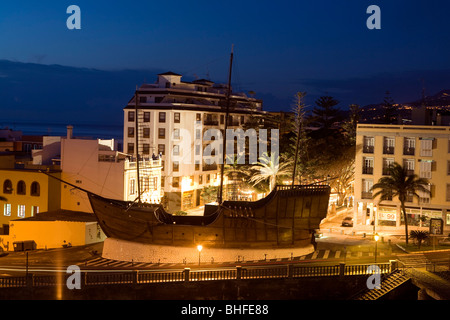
422	150
173	118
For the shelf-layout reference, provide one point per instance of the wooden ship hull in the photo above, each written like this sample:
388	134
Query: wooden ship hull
285	218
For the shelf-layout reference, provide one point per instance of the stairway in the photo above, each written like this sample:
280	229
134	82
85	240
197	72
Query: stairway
388	284
415	260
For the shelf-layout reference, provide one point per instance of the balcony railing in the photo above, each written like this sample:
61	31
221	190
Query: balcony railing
366	195
409	151
368	149
388	150
367	170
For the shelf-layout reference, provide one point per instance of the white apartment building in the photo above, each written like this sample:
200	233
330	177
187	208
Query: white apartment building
173	116
423	150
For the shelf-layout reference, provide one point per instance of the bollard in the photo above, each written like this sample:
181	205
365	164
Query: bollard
186	274
238	272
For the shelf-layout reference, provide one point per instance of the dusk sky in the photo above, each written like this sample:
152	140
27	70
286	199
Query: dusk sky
281	47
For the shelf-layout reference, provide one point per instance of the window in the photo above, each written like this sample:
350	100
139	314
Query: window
222	119
176	150
130	132
197	165
162	117
162	149
145	148
35	189
424	197
142	99
198	134
175	182
34	210
132	186
163	181
176	134
130	148
7	186
200	179
198	117
387	162
448	194
426	148
367	165
425	169
21	187
21	211
130	116
197	150
176	166
7	209
448	167
161	133
146	132
367	185
408	164
388	145
146	116
409	146
368	144
176	117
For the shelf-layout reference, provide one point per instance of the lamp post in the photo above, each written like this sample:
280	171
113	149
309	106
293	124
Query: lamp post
376	237
199	248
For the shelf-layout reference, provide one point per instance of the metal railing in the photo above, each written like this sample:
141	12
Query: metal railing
186	275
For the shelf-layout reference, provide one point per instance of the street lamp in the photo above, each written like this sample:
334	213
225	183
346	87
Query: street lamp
199	248
376	237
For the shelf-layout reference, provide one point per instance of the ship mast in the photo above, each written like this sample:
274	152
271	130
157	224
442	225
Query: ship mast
137	144
219	196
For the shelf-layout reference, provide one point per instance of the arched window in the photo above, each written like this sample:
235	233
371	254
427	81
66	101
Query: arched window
7	186
21	187
35	189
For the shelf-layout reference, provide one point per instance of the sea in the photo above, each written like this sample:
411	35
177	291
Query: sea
92	130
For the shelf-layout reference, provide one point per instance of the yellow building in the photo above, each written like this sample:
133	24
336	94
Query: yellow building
423	150
27	192
55	229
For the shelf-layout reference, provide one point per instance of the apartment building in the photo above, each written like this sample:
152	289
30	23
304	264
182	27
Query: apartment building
173	118
423	150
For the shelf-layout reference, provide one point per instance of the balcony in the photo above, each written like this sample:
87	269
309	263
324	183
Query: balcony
368	149
409	151
388	150
367	170
386	171
366	195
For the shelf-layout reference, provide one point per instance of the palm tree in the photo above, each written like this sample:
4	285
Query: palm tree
419	236
400	184
269	168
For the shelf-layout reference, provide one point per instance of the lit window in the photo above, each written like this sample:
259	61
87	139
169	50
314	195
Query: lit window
21	211
7	209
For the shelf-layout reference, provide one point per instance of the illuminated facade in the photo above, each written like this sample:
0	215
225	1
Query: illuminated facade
422	150
173	116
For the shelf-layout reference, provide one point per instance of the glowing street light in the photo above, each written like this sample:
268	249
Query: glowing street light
199	248
376	237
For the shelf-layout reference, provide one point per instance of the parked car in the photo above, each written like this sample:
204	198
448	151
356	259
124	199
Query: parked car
347	222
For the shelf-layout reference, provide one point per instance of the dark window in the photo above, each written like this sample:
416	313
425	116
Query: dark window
142	99
176	117
162	117
146	132
176	166
35	189
198	117
130	132
161	149
146	148
130	116
146	116
175	182
162	133
21	187
131	148
7	187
